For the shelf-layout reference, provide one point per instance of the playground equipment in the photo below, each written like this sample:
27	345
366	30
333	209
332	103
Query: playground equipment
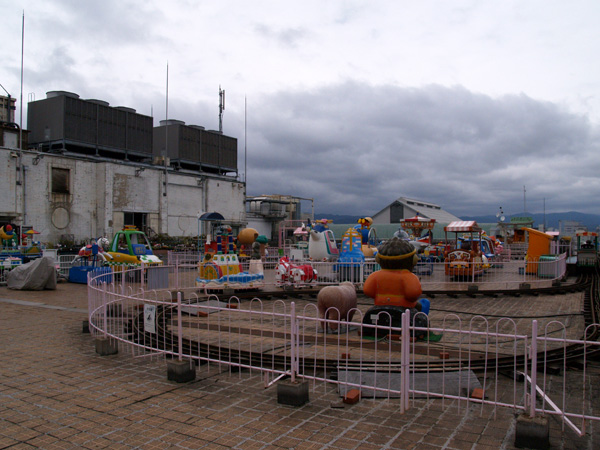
417	225
464	260
490	248
245	239
130	247
8	237
368	236
221	267
394	289
352	256
298	275
321	243
91	258
15	244
219	271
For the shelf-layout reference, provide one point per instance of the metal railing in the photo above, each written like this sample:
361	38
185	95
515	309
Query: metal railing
496	274
455	360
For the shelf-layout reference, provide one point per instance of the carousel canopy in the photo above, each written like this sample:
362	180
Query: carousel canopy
417	223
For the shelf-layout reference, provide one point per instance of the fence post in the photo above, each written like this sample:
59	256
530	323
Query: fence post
405	361
179	328
293	349
176	273
104	313
122	267
533	356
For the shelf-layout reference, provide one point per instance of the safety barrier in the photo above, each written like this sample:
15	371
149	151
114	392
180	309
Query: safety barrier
495	274
64	264
490	364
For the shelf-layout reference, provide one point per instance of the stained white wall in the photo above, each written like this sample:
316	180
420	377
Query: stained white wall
101	192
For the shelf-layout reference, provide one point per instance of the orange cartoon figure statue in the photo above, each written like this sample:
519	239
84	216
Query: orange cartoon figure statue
394	288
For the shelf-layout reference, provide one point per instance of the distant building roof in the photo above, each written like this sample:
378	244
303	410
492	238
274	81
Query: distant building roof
404	207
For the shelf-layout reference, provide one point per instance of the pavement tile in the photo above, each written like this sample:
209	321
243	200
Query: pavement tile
57	393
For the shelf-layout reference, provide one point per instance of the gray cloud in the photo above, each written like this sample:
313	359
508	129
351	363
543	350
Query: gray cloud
353	105
287	37
356	148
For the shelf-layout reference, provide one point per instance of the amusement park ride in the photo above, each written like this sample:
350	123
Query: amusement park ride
16	247
221	267
128	249
466	259
587	248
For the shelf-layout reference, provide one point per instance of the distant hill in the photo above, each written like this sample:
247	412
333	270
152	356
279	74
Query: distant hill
591	221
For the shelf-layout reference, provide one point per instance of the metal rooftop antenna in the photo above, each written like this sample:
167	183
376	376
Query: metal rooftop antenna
221	107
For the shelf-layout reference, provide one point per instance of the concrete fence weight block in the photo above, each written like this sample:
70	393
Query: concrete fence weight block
106	347
181	371
532	432
292	393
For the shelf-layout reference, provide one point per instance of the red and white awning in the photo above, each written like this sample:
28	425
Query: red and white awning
462	226
586	233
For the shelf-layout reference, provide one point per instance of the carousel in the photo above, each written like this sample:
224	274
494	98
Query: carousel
417	226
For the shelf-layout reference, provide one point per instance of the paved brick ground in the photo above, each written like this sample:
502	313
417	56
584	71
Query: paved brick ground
57	393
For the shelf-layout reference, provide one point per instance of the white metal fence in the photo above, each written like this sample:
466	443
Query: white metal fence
497	274
277	339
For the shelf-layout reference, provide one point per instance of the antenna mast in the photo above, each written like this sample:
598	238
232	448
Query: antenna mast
221	107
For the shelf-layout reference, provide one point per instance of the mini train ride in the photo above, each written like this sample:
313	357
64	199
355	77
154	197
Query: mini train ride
222	269
587	249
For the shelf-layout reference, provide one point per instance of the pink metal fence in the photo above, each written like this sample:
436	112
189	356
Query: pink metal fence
276	339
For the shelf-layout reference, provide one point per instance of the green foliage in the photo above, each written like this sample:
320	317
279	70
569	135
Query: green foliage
179	243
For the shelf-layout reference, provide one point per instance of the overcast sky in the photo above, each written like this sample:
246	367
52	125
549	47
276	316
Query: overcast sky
352	103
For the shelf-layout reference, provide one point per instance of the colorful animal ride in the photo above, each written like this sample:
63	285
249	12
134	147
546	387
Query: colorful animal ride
290	274
336	303
394	289
130	248
463	261
92	258
321	242
101	243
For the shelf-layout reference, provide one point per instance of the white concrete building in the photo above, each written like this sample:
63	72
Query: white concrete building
77	197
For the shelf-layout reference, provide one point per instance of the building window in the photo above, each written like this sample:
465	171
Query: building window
396	212
60	181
